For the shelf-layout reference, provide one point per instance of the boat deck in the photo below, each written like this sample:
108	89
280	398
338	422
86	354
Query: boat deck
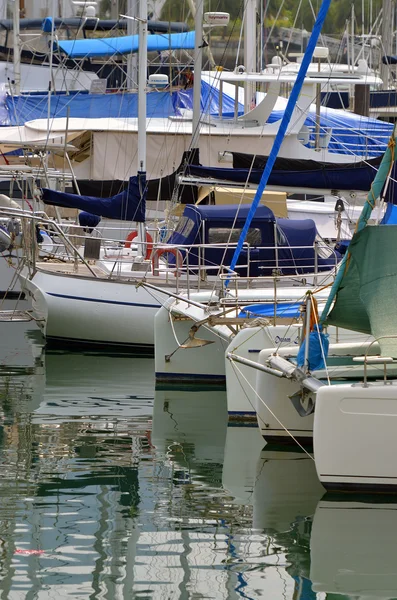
69	268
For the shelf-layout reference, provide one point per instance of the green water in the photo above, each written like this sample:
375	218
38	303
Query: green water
110	489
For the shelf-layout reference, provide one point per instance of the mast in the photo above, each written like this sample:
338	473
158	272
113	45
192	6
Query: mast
249	50
142	75
387	38
198	64
17	49
132	8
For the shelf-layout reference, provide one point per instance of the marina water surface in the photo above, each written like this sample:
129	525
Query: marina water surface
112	489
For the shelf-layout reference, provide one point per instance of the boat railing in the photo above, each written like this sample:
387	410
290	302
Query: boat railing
369	359
194	266
32	220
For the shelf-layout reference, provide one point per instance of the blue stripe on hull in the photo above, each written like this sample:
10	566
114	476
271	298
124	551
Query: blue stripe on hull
99	301
186	377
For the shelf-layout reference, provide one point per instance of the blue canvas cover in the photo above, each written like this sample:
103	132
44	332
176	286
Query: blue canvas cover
318	350
390	216
214	224
128	205
354	178
351	133
295	259
98	47
288	310
23	108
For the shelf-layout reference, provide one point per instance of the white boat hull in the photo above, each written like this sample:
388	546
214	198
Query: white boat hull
174	365
354	438
99	312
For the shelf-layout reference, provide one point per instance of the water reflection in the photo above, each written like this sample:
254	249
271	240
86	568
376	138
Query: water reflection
354	546
112	489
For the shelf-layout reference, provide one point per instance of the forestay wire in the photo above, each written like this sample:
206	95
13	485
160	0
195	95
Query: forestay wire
307	58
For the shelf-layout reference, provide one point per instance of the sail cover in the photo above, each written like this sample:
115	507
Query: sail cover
128	205
95	47
366	297
296	173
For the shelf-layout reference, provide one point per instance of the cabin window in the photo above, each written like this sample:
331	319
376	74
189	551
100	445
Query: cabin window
224	235
281	237
184	227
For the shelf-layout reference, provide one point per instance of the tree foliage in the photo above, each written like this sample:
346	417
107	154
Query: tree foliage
339	13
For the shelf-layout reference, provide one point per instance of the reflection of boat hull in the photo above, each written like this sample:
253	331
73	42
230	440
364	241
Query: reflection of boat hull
353	549
196	417
87	385
287	488
355	436
242	447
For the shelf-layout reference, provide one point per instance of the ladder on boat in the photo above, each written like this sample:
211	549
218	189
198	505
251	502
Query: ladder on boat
15	316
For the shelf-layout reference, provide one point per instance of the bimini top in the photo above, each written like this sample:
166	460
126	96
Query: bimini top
91	48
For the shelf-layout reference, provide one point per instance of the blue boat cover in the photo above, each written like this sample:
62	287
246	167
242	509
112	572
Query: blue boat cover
390	217
318	350
128	205
214	225
20	109
283	309
296	248
350	133
343	178
97	47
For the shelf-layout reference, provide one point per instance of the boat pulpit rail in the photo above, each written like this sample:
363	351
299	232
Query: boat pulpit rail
369	359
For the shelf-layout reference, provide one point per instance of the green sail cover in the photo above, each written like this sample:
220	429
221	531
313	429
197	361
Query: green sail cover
367	297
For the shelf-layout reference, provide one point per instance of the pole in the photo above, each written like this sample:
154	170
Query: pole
386	39
142	75
17	49
198	65
318	110
132	9
352	40
249	50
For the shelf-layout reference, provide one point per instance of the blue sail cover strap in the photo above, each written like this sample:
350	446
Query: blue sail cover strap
127	44
283	126
129	205
373	194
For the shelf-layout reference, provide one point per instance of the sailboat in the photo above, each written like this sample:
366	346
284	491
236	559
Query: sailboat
347	392
113	301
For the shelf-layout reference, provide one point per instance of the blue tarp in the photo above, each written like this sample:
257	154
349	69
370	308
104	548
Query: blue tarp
318	350
129	205
20	109
390	217
354	178
350	133
287	310
98	47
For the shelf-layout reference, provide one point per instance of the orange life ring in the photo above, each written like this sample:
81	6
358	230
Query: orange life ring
149	242
164	250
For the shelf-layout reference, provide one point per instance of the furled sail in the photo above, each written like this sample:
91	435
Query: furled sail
128	205
298	174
